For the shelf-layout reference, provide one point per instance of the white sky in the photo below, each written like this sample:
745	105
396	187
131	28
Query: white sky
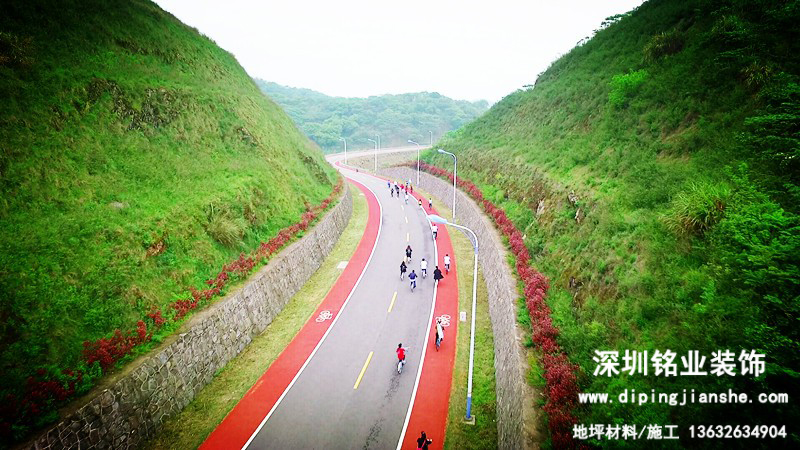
464	49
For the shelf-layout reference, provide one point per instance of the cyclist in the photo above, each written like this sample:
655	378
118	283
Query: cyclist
413	277
401	357
419	202
439	333
402	268
408	253
435	229
437	274
447	263
423	266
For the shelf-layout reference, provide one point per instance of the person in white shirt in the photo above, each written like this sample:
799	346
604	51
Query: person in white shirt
423	267
435	229
447	263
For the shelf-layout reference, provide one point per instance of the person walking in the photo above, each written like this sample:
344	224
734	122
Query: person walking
423	442
423	268
437	274
413	277
408	253
435	230
430	203
439	333
447	263
406	197
402	269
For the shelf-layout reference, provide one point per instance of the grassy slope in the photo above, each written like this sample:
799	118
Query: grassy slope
118	101
642	286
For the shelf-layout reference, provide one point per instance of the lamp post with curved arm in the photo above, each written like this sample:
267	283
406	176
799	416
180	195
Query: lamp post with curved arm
474	241
345	148
455	169
376	153
412	142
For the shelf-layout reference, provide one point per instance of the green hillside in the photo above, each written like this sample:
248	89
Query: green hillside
396	118
678	129
136	158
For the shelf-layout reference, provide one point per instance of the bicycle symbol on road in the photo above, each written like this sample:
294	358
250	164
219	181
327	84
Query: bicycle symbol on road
445	319
324	315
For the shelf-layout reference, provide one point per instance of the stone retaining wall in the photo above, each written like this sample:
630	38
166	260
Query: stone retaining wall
162	384
502	304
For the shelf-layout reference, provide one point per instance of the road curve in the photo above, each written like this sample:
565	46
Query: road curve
347	393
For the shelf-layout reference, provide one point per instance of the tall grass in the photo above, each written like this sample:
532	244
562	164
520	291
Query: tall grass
137	157
652	232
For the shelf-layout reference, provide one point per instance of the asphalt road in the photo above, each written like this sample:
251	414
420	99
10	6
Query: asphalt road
324	408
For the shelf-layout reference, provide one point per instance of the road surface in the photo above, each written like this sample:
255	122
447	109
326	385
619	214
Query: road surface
348	394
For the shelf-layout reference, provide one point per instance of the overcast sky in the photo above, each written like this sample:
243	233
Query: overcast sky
464	49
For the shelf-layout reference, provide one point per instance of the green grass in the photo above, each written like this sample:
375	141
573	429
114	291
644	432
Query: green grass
137	158
687	185
191	427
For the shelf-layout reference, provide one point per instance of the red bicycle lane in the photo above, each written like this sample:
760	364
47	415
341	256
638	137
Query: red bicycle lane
432	395
255	406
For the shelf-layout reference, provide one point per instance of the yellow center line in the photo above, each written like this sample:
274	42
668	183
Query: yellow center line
394	297
363	369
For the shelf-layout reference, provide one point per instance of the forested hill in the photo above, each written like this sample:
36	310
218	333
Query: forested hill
396	118
136	158
677	126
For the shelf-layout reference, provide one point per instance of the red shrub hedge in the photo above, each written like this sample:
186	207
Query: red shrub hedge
46	391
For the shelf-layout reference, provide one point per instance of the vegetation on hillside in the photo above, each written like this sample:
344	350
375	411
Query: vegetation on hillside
396	118
136	158
654	173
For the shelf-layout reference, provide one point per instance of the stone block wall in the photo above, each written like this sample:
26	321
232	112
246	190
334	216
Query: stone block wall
161	385
502	304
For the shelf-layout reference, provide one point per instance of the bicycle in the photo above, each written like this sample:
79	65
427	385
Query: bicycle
401	361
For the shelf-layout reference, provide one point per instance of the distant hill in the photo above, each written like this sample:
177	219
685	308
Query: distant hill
396	118
136	158
677	126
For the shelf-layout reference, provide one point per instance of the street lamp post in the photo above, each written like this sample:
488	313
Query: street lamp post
376	154
455	171
345	148
431	132
412	142
379	141
436	219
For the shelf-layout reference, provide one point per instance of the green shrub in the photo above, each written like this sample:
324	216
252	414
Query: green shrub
624	86
663	44
697	209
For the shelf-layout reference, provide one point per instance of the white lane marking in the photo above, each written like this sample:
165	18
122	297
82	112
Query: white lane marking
319	344
422	356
